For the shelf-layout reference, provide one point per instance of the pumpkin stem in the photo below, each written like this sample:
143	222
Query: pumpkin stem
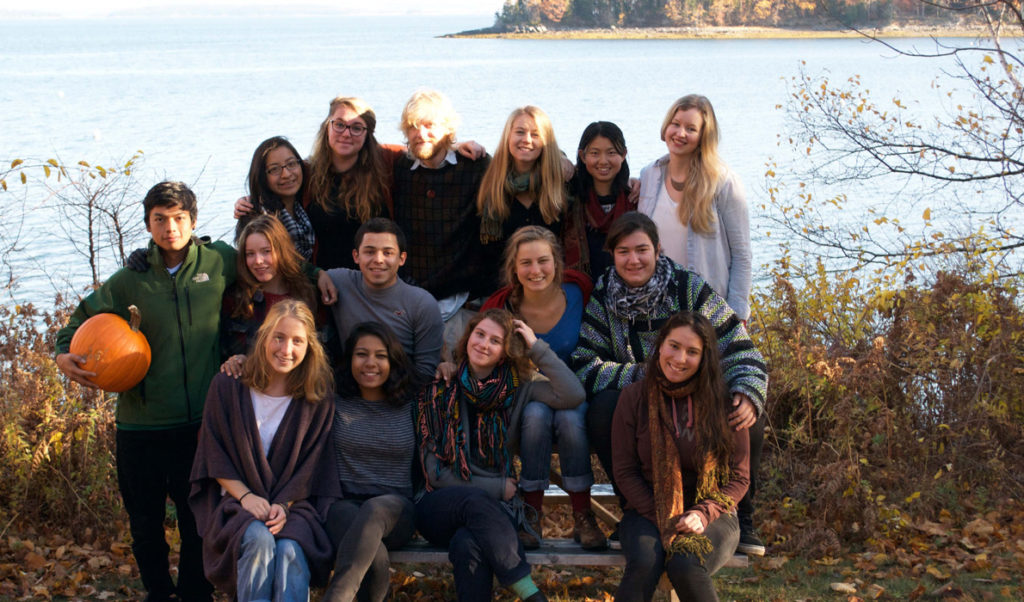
135	319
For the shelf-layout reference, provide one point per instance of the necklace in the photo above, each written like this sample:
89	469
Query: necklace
677	186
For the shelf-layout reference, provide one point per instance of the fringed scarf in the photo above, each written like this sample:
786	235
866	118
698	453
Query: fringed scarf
629	303
669	502
491	226
440	418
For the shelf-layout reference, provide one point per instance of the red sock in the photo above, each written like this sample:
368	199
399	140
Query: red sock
580	500
534	498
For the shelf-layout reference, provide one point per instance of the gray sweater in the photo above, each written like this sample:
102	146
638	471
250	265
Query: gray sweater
374	445
409	311
557	388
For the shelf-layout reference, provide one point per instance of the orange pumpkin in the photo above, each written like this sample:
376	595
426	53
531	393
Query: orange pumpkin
114	349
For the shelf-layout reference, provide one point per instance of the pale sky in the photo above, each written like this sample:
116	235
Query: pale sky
99	8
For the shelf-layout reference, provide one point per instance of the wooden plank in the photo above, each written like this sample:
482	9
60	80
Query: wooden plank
553	551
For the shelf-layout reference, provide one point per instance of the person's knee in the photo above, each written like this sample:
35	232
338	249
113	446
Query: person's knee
288	550
536	417
258	540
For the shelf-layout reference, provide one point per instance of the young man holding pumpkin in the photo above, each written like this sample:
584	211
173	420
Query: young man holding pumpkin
179	295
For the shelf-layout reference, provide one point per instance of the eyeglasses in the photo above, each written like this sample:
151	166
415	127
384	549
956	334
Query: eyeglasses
291	165
356	129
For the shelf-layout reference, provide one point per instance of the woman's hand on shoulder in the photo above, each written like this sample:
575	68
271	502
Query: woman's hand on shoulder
445	371
526	332
243	207
233	366
690	522
328	292
634	192
277	517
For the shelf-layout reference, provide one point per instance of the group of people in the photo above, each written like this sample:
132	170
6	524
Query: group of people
399	323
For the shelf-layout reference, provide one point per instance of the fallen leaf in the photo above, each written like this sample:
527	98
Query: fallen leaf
874	591
34	562
843	587
936	572
774	563
941	590
979	527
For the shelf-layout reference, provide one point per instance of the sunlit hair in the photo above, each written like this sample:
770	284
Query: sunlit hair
288	265
363	188
513	349
170	195
430	106
546	183
311	379
264	199
710	396
520	237
582	181
399	382
705	168
628	223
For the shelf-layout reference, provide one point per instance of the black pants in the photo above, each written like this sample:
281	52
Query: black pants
599	431
646	560
152	466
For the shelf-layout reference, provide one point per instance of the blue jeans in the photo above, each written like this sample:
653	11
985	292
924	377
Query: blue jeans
271	569
645	559
482	543
541	425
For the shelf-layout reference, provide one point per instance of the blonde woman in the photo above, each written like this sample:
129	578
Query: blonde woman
698	204
259	460
524	184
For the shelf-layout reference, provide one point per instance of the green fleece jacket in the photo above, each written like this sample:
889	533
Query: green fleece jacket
181	321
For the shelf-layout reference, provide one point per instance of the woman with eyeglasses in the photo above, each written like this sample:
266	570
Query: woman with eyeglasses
277	178
349	179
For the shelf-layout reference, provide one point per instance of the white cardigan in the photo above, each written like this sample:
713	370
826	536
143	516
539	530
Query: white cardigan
723	257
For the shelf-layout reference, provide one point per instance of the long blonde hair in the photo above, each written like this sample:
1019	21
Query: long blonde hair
312	379
705	168
364	187
546	176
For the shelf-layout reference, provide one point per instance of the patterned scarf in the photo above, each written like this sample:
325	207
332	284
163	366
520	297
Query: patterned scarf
669	503
628	303
300	229
440	418
491	225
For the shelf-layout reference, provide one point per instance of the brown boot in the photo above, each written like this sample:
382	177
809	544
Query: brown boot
586	532
531	541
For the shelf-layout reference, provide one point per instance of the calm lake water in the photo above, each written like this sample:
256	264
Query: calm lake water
198	94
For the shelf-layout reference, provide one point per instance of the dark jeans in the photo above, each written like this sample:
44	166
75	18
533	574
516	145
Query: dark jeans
481	540
152	466
363	532
599	431
645	560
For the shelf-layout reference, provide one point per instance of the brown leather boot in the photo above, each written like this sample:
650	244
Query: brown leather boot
531	541
586	532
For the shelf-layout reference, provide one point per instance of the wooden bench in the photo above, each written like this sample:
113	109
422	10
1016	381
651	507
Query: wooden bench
554	551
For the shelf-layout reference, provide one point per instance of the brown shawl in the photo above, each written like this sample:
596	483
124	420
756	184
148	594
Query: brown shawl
295	471
668	474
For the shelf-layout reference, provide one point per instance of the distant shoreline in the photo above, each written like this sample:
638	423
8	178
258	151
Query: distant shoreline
718	33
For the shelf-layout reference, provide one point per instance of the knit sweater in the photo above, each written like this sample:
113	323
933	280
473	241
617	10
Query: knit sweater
374	445
611	351
436	209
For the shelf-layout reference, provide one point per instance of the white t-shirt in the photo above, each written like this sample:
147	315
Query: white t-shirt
671	231
269	412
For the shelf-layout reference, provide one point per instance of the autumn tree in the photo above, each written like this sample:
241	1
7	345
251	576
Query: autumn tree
942	172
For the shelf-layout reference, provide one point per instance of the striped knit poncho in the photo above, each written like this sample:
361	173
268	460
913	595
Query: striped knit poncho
611	352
